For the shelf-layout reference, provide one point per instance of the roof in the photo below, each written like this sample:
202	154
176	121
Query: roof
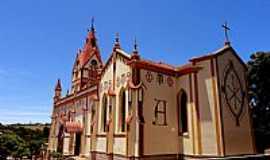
58	85
89	50
218	53
163	67
210	55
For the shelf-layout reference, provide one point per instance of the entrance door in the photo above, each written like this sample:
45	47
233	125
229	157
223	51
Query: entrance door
60	139
77	144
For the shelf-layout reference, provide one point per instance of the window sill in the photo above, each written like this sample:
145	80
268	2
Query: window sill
119	135
101	134
185	134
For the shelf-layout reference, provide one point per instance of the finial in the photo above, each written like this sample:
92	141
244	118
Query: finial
117	41
117	37
135	54
226	29
92	25
135	45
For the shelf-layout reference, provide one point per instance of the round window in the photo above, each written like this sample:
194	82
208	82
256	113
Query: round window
94	62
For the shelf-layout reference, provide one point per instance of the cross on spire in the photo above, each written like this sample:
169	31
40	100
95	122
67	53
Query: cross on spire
226	29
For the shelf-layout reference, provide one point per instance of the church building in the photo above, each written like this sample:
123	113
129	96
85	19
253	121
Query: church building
131	108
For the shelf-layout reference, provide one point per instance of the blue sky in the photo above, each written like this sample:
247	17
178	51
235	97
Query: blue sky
39	40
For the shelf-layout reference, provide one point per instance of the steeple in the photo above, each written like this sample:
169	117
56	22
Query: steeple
91	38
58	85
57	90
90	47
87	59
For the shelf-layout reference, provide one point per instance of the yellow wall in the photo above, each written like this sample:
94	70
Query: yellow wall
209	143
159	139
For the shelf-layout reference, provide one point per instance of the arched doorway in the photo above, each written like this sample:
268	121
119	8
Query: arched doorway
60	139
77	144
104	115
182	112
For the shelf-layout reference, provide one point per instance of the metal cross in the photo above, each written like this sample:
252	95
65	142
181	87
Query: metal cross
226	29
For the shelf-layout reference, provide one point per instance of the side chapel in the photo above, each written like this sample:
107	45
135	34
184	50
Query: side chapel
133	108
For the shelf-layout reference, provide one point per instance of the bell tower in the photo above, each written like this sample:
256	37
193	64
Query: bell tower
87	64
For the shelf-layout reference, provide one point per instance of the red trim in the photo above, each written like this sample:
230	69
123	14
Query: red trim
73	127
111	92
163	68
74	97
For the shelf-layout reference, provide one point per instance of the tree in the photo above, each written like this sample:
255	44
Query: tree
11	144
259	94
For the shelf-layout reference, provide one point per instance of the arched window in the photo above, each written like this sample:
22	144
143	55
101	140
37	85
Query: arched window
122	111
104	113
182	112
94	63
93	113
69	116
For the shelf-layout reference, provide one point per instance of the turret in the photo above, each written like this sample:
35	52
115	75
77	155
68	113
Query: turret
57	91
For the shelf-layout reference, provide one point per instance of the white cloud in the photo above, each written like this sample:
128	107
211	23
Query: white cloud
23	114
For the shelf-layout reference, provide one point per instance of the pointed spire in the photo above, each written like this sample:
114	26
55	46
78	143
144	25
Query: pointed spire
91	38
57	91
117	41
58	85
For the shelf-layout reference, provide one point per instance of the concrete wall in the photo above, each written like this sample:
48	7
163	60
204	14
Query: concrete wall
237	139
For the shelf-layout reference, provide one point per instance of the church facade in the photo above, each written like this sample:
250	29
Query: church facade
133	108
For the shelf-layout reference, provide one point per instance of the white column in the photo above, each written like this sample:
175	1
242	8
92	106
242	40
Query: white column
66	144
137	121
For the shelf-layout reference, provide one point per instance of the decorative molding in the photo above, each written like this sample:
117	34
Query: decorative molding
160	109
149	77
170	81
